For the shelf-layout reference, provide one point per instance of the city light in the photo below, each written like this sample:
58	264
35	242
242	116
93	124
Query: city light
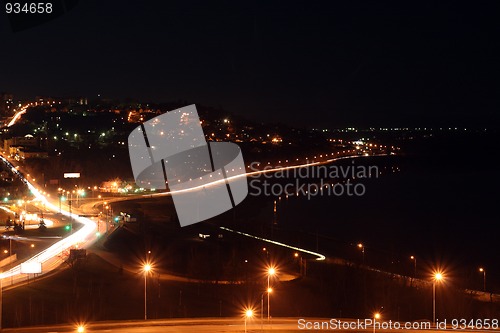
106	159
271	271
50	255
482	270
362	248
376	316
147	268
437	277
248	314
414	265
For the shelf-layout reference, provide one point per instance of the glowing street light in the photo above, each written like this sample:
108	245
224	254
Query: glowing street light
248	314
271	271
146	269
438	276
268	291
414	265
482	270
376	316
80	329
362	248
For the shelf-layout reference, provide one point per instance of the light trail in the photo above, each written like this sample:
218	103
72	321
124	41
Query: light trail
257	172
51	256
17	116
318	255
87	234
7	210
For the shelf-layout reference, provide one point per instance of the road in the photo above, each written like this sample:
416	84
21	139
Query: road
229	325
18	115
57	253
219	325
85	236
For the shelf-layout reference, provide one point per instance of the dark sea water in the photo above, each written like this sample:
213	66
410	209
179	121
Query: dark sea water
442	206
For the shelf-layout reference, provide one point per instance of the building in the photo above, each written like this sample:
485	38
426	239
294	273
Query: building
6	104
24	153
22	141
24	147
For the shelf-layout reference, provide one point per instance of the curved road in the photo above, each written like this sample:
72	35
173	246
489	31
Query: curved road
53	256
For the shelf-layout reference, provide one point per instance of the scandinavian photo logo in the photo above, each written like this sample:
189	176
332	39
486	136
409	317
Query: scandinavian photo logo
205	179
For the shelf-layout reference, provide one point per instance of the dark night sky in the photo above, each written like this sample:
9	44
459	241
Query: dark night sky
306	62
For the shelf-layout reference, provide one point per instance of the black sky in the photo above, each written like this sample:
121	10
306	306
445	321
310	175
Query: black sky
314	63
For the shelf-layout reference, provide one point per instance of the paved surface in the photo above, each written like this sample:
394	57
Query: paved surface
216	325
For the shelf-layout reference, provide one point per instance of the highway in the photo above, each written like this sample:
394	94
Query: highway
18	115
57	253
85	236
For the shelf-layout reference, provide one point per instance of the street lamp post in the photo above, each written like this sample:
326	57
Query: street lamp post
262	311
437	277
362	247
70	215
376	316
248	314
434	302
10	259
147	268
268	291
482	270
108	208
271	271
414	266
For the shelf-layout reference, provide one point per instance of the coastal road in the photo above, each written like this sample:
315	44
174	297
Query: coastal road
88	233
